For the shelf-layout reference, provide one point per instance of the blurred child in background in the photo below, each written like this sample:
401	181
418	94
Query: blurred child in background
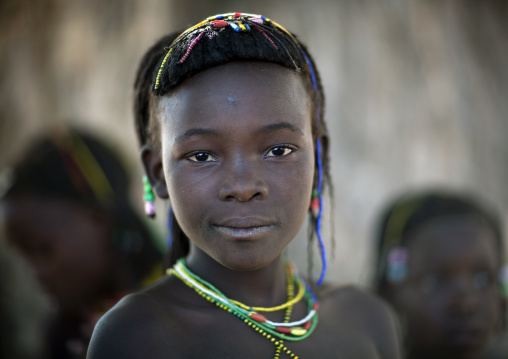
67	211
440	264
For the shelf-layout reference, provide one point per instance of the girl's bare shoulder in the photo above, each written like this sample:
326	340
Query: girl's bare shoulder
350	309
143	324
353	300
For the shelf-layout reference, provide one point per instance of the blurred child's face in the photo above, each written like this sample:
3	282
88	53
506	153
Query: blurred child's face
450	302
65	244
238	160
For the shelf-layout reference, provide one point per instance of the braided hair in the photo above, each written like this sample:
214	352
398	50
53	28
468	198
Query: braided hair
219	40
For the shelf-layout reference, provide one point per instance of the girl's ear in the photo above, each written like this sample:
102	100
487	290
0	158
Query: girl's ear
152	161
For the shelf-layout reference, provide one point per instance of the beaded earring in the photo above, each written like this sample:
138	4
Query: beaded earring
395	267
503	281
149	198
396	270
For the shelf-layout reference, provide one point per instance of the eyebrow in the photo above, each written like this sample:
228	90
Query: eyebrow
196	131
280	126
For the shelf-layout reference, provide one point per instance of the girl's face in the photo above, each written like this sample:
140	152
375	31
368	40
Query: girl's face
450	301
238	160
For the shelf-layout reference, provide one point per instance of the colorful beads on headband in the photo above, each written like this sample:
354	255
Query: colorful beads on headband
238	22
218	24
191	46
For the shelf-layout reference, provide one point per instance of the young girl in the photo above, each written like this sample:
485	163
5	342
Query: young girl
229	115
440	257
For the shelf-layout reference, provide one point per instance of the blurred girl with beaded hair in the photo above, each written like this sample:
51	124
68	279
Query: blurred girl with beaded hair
440	256
67	211
229	114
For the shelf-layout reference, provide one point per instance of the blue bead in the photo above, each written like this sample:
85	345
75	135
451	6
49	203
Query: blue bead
234	26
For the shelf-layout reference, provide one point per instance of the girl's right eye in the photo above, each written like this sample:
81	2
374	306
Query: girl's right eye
201	157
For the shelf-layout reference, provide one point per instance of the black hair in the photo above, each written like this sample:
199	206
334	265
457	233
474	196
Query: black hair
162	69
411	211
72	165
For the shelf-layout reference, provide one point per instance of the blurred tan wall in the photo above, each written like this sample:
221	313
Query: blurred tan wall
417	91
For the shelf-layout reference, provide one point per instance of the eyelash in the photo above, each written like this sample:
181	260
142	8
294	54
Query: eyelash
289	148
287	151
200	153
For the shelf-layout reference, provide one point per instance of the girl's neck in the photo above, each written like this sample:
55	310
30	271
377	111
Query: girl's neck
262	287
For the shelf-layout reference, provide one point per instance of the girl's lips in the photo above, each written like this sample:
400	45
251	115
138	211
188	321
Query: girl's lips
243	233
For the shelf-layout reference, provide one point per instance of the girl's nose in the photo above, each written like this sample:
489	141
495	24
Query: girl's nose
463	297
243	181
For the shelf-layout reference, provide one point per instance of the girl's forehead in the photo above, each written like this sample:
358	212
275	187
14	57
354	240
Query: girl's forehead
237	89
268	77
445	239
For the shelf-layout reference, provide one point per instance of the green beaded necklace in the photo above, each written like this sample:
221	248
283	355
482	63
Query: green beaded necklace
276	333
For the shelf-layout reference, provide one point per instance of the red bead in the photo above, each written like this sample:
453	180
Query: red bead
307	325
315	306
284	330
237	14
314	204
219	24
257	317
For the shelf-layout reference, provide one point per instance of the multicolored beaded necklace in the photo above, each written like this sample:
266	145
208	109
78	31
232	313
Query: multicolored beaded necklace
273	331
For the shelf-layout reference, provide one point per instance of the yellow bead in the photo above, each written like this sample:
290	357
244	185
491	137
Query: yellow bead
298	331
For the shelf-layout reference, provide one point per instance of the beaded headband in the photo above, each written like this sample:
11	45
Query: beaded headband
213	25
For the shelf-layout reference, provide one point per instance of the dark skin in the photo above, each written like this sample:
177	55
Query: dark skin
450	303
68	247
237	164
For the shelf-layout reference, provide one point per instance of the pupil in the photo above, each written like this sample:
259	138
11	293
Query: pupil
201	156
278	151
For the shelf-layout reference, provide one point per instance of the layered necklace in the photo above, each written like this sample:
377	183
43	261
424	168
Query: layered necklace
275	332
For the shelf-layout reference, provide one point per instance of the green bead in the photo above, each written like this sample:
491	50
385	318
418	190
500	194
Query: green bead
315	193
149	197
147	188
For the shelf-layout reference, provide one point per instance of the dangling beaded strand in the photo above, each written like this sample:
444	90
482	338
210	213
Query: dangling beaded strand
149	198
317	198
289	309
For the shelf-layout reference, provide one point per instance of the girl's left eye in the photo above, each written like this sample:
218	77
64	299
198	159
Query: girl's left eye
201	157
279	151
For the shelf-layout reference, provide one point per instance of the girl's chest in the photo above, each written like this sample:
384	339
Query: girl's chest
226	336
